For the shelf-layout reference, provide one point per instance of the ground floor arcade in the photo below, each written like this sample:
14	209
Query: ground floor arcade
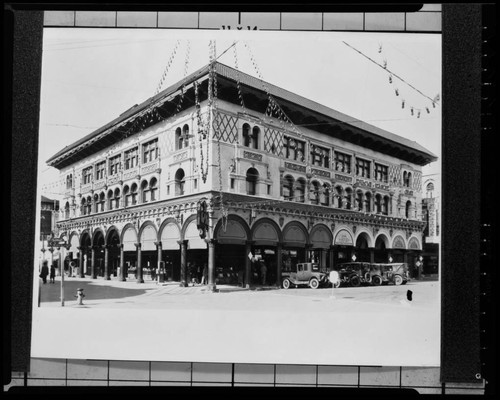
237	246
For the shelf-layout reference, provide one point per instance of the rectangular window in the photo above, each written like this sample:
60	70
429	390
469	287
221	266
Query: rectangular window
362	168
232	183
99	170
150	151
87	175
268	189
168	190
320	156
196	184
131	158
294	149
114	164
342	162
381	173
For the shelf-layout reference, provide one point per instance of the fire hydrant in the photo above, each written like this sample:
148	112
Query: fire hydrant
79	296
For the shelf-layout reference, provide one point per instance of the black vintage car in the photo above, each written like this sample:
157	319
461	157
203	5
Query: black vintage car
376	274
353	273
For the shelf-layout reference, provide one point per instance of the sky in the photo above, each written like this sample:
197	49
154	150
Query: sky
91	76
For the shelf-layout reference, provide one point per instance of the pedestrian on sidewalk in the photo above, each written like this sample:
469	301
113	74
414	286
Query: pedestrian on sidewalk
52	274
45	271
263	271
204	279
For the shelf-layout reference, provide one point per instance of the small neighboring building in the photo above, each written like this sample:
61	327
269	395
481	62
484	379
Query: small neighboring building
432	234
49	216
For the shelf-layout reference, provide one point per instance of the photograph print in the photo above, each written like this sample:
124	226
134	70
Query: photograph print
232	196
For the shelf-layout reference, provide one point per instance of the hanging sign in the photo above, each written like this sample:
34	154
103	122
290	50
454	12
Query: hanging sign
202	218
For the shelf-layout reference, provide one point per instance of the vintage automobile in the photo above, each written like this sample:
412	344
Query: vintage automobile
396	273
376	274
353	273
305	274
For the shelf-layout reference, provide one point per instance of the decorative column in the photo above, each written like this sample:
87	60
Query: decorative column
211	264
184	282
331	267
248	263
106	262
159	248
122	264
80	262
282	171
139	263
279	261
92	263
308	248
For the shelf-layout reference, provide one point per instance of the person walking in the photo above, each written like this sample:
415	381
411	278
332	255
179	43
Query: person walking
52	275
263	271
45	271
204	279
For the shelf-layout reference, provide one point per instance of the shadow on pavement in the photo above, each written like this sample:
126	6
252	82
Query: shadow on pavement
51	292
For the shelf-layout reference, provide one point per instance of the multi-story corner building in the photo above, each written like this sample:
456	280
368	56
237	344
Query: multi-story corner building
321	188
431	214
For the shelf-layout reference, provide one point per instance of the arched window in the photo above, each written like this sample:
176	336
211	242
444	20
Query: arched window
110	200
153	188
288	188
255	139
368	202
185	135
127	196
300	189
102	201
385	205
338	196
96	202
430	190
314	193
325	195
348	199
83	207
378	203
252	178
359	201
133	194
408	209
69	181
89	205
117	198
66	211
179	140
409	179
144	192
179	182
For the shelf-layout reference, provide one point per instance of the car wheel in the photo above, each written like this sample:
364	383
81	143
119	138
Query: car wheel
377	280
355	281
398	280
286	284
313	283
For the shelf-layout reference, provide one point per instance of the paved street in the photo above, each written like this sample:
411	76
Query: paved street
100	293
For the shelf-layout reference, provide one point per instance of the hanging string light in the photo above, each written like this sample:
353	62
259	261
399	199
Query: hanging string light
167	67
392	75
183	88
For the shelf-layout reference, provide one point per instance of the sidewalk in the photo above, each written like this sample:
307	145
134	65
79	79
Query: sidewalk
103	290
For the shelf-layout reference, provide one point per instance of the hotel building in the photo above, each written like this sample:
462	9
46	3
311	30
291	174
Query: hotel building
283	179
